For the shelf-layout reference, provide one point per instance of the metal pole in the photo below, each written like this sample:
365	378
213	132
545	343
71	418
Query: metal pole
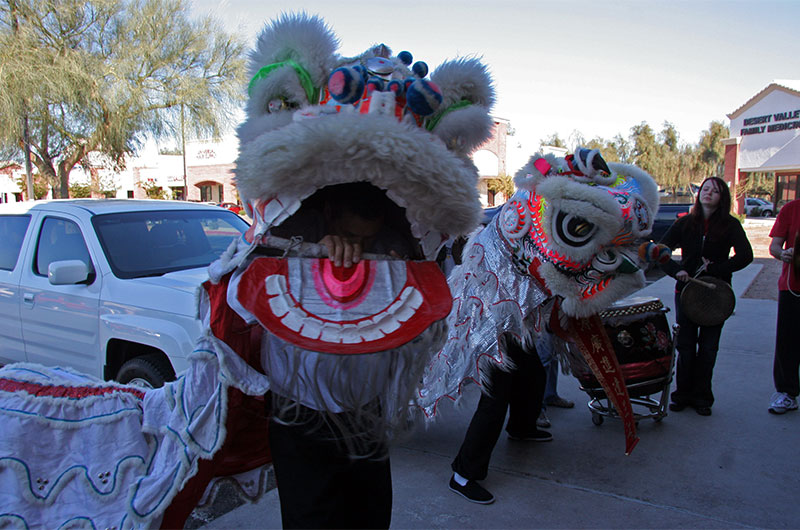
28	170
183	152
25	137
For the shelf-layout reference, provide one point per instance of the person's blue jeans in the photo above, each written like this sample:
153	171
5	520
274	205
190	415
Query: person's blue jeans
551	386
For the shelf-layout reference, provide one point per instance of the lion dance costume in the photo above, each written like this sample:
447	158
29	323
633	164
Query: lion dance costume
79	451
566	245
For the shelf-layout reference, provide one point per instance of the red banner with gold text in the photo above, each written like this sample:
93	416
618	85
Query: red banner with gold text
592	339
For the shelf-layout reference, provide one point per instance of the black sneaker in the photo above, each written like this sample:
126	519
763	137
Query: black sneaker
536	436
703	411
676	407
472	491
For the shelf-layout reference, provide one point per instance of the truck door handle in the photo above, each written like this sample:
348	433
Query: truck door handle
28	298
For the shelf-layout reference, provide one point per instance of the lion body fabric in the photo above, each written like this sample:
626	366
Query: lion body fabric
563	248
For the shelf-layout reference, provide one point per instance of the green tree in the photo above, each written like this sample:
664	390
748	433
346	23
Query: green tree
99	75
672	163
644	149
710	150
757	184
40	186
154	191
80	191
607	149
553	140
622	148
502	184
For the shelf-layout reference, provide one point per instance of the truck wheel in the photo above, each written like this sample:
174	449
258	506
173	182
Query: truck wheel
147	371
766	213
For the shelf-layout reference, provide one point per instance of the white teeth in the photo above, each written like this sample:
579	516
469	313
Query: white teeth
312	329
388	324
350	334
414	298
293	320
276	284
375	328
279	305
331	333
370	333
410	304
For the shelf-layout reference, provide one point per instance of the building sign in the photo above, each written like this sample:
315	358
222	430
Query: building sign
206	154
779	121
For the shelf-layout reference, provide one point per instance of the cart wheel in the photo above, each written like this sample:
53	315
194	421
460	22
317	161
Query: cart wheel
597	419
658	419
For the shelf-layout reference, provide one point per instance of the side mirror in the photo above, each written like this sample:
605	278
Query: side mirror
67	272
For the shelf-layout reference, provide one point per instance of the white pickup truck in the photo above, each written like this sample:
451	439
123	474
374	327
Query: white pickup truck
107	287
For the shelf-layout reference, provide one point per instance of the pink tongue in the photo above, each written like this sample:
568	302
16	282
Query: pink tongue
344	283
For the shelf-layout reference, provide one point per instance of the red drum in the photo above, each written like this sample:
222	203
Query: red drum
640	334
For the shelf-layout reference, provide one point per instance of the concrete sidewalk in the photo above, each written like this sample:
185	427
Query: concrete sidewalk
736	468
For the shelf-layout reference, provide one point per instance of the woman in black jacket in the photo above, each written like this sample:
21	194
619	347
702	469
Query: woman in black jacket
705	236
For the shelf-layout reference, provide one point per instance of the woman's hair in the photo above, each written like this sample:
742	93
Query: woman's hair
723	208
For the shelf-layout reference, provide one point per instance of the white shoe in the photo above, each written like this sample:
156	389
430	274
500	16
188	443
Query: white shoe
781	403
543	422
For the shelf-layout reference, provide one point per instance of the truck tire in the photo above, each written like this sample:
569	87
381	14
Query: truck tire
146	371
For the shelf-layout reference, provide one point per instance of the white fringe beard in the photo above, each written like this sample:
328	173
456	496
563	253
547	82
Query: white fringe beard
364	399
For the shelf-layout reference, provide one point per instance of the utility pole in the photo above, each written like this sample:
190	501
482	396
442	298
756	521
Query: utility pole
183	152
25	136
28	170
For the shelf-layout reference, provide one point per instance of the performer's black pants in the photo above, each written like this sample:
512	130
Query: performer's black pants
518	392
320	486
787	345
697	354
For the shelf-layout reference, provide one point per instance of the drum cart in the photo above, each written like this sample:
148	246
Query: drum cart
645	349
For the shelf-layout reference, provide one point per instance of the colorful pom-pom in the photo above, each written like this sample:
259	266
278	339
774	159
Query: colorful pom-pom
346	85
396	86
420	69
542	165
654	253
423	97
375	83
361	69
405	57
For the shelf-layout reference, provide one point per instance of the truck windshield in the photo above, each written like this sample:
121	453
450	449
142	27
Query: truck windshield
139	244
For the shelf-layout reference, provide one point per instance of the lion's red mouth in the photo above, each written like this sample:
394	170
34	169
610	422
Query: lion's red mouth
370	307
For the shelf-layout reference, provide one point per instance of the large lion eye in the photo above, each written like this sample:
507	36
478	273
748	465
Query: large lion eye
573	230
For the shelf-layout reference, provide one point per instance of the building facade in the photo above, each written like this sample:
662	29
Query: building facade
10	191
491	159
207	172
207	177
765	137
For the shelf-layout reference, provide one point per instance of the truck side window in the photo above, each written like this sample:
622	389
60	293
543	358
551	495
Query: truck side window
12	232
59	239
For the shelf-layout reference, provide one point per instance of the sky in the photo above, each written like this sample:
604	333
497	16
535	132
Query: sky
597	66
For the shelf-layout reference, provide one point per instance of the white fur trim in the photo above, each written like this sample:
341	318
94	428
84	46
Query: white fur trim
438	187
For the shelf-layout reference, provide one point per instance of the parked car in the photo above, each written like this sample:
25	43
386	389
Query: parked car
758	207
232	206
666	215
107	287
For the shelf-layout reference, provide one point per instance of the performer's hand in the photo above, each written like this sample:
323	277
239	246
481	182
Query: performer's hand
786	255
342	251
682	276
